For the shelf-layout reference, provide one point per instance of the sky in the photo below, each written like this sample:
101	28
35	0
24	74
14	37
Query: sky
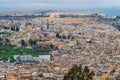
56	4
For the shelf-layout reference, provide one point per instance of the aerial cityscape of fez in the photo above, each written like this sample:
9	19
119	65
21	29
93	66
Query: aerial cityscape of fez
59	45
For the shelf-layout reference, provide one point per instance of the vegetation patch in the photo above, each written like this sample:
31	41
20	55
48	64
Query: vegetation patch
8	51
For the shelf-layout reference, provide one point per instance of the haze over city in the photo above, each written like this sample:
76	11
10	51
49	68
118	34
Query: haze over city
15	5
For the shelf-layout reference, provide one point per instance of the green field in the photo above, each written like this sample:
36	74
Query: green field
8	51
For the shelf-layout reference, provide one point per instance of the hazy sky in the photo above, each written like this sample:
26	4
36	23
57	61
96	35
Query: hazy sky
56	4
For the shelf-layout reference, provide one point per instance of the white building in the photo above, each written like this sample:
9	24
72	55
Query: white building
44	58
25	57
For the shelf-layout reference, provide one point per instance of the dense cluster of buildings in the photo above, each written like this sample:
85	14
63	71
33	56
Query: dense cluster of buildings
83	41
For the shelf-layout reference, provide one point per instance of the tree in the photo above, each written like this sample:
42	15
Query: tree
57	35
41	28
11	28
1	43
68	36
1	39
35	42
51	46
17	29
12	59
7	40
23	43
64	37
79	73
32	42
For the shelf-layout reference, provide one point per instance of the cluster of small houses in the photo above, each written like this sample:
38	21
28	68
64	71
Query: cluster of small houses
8	70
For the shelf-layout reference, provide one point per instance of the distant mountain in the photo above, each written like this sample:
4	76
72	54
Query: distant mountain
114	11
109	11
